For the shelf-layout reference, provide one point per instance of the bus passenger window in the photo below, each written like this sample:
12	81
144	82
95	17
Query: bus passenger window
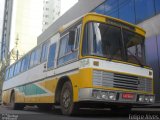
32	59
17	68
22	65
44	52
37	56
6	75
51	56
78	34
63	45
11	70
25	63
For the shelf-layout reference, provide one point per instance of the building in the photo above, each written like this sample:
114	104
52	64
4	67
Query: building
145	13
52	9
6	29
22	24
1	21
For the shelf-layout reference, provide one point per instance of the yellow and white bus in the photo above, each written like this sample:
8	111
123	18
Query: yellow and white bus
95	59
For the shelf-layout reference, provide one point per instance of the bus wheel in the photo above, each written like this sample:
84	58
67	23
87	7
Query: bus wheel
13	105
68	107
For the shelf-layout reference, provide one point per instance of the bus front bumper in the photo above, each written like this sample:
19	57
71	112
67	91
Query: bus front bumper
108	96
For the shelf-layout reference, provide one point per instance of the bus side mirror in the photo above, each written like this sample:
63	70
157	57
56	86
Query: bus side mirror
71	37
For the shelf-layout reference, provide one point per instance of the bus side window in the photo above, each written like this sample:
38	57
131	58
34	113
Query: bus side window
44	52
25	63
22	64
67	50
11	70
6	75
15	71
37	56
51	56
77	37
32	59
17	68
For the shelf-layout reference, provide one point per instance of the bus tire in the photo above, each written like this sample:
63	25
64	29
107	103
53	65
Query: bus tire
68	107
13	105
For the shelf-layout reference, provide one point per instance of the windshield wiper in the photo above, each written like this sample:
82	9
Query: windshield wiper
139	62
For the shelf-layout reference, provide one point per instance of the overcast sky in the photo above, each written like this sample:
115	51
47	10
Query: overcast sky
1	9
66	4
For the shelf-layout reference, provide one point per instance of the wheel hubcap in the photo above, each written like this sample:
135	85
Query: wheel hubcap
66	98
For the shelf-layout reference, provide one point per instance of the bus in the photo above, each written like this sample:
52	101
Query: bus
94	60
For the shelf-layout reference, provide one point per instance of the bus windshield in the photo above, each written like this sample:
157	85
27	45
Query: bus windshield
113	42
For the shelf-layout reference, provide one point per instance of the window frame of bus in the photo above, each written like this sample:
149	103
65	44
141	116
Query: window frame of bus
6	74
72	51
35	52
52	46
18	68
45	46
11	68
27	56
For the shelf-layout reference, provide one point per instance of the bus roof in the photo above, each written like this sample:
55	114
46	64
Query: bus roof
92	15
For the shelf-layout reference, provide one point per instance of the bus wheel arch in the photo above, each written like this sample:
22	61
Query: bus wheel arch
11	95
64	97
60	83
13	104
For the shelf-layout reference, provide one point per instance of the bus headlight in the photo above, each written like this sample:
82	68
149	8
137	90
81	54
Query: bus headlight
152	99
146	99
112	95
104	95
96	94
141	98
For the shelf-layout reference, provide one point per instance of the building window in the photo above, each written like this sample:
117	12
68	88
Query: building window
47	9
111	8
144	9
126	10
157	6
45	23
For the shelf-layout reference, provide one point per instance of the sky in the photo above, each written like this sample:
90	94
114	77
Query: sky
66	4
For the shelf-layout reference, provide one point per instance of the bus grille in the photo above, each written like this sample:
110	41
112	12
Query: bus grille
129	82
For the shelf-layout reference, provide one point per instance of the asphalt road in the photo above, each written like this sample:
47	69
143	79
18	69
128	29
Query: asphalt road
32	113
